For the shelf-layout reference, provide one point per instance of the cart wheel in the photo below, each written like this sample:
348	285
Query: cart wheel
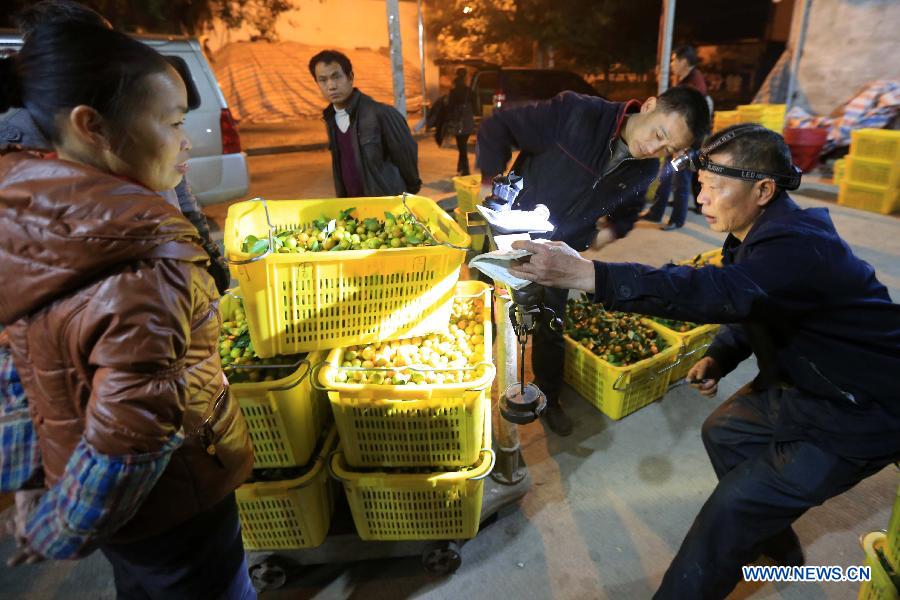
442	560
269	574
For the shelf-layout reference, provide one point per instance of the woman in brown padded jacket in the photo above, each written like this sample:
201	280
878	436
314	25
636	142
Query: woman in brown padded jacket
113	325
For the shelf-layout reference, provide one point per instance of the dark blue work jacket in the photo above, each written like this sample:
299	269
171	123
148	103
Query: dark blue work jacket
813	313
564	144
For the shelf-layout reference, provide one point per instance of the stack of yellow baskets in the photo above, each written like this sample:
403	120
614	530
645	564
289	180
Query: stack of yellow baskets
468	195
619	391
770	116
725	118
413	458
883	558
287	420
871	179
325	301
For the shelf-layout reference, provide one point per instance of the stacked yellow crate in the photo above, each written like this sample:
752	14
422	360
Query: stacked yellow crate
468	195
298	302
725	118
872	173
767	115
840	166
416	441
287	420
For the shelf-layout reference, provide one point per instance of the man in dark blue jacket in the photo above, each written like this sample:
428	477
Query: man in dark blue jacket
590	162
824	411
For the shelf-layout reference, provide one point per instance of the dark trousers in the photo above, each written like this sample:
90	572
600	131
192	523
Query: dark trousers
669	178
462	144
548	348
764	486
201	558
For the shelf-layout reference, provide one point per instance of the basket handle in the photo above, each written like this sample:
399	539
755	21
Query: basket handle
271	247
491	468
427	231
694	351
493	370
328	464
283	388
413	392
652	375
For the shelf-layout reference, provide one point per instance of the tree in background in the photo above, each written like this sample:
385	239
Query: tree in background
585	36
177	16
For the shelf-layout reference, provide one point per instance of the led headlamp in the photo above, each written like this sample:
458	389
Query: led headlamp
697	160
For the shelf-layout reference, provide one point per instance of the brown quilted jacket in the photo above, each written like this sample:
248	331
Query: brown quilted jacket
113	323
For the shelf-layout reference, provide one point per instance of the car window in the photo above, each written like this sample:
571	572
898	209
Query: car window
484	84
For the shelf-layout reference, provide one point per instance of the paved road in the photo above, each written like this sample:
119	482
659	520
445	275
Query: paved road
308	175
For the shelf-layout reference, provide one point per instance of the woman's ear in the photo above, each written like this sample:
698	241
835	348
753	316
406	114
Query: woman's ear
88	127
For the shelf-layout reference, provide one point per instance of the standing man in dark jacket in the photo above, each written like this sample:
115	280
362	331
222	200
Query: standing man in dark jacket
824	411
686	74
373	152
590	162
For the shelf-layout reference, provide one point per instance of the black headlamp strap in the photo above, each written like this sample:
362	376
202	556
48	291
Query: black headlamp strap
724	139
789	182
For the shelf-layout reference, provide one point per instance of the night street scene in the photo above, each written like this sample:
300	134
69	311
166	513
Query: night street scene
433	299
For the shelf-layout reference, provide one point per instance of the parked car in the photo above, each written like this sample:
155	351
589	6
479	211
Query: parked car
218	168
500	88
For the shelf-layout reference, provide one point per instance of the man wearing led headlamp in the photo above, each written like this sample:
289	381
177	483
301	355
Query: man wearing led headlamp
824	411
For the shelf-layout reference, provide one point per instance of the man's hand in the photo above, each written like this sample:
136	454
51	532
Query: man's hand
26	500
705	375
554	264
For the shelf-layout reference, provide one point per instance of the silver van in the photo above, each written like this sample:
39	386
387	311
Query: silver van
218	167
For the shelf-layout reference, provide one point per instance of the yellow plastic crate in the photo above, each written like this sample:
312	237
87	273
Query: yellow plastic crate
880	586
295	513
409	506
880	144
693	343
413	425
468	192
619	391
873	198
285	417
882	173
322	300
892	545
710	257
469	221
725	118
840	167
751	113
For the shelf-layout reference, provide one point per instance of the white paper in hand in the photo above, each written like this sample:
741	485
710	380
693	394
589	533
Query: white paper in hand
517	221
496	264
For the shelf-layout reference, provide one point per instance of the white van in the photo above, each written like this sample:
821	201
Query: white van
218	167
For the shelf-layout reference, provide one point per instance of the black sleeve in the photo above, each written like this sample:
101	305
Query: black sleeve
762	283
531	128
401	147
730	347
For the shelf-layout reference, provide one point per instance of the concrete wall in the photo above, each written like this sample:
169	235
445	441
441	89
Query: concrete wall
848	43
342	24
